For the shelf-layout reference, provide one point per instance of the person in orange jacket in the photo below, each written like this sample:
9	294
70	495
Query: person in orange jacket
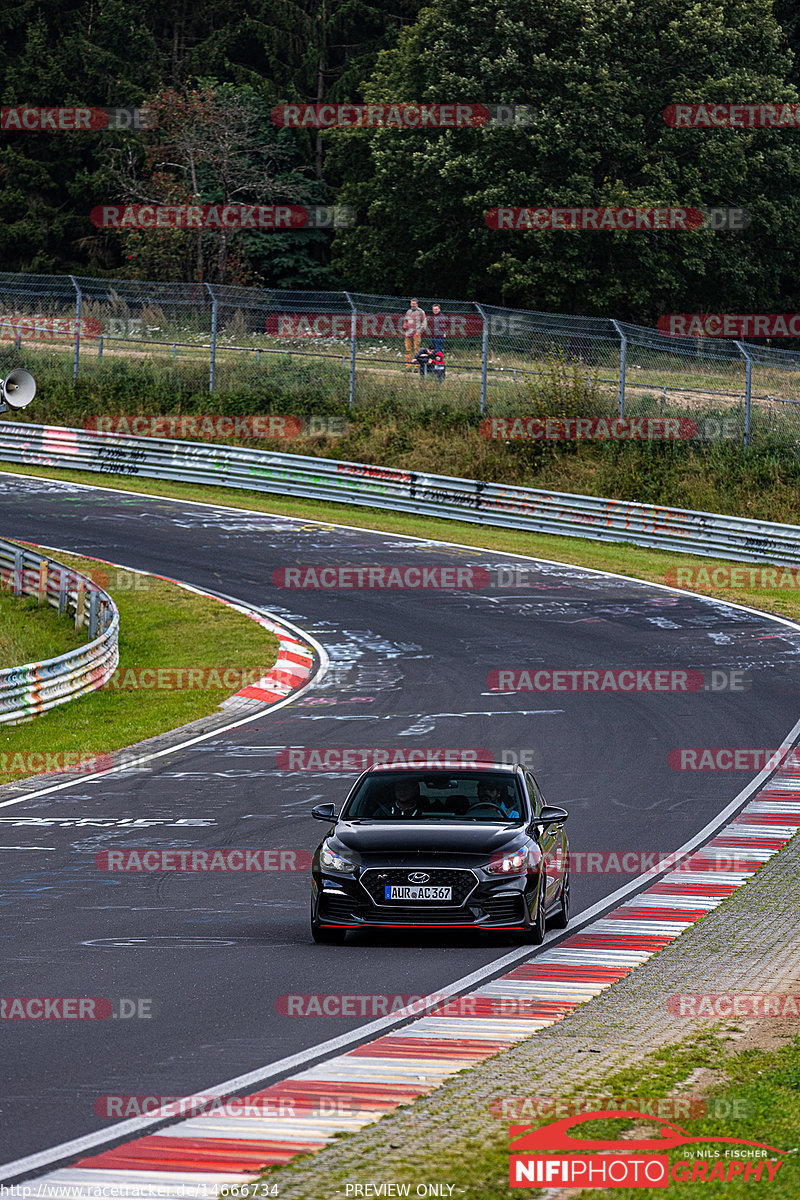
415	323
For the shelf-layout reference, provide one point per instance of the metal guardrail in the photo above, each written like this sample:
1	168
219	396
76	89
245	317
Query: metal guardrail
29	690
708	534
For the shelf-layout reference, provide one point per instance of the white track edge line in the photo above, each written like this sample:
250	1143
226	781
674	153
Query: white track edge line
244	606
326	1049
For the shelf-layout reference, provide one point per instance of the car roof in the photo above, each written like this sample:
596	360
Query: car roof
385	768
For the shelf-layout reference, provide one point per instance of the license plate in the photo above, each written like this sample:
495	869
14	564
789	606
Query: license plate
396	892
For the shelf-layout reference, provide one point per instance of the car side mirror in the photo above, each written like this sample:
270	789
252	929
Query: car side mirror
324	812
551	816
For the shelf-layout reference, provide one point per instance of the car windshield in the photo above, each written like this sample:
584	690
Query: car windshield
442	796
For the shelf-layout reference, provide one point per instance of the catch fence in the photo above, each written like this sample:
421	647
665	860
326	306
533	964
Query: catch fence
352	349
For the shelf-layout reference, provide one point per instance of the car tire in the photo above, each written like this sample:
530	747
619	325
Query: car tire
325	934
561	919
538	927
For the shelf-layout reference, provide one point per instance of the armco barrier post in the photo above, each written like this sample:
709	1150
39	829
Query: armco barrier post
353	324
484	355
80	601
94	609
63	592
77	354
748	381
213	363
623	353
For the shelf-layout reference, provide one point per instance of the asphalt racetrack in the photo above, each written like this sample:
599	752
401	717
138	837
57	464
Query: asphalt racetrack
214	953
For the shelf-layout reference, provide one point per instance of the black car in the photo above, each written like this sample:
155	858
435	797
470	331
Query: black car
469	847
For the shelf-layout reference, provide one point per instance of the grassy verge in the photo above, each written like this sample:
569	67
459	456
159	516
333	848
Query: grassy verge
407	423
655	566
162	627
758	1086
31	632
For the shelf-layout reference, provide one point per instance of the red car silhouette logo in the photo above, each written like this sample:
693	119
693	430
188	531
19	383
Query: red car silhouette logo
554	1137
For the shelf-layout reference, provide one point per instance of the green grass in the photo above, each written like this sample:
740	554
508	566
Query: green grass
31	632
414	425
765	1085
161	626
768	1084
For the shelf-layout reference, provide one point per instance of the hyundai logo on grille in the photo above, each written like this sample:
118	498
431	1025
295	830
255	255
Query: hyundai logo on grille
418	877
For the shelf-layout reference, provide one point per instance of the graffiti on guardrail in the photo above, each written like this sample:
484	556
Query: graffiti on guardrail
598	518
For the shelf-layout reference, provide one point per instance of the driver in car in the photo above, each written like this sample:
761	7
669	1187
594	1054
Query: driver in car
492	792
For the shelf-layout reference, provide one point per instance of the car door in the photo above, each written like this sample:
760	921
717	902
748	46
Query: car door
551	841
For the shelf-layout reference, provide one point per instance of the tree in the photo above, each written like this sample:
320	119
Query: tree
600	76
211	145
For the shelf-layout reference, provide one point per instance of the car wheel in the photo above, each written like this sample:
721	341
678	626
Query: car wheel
325	934
561	919
537	930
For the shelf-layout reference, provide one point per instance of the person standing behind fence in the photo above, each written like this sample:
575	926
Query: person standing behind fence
415	323
438	327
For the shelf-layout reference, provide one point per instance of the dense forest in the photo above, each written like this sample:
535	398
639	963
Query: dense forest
597	75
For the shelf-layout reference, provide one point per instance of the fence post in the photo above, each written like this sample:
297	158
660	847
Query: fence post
77	354
19	568
748	380
484	354
213	364
351	395
623	354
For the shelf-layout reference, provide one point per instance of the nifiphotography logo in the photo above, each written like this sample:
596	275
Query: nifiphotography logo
621	1166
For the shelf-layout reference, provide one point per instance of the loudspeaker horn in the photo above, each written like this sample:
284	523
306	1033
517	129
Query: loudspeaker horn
18	388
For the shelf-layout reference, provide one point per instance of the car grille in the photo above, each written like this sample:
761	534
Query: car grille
504	908
420	914
374	879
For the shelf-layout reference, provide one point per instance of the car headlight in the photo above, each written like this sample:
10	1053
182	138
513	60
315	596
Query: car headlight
334	862
513	863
